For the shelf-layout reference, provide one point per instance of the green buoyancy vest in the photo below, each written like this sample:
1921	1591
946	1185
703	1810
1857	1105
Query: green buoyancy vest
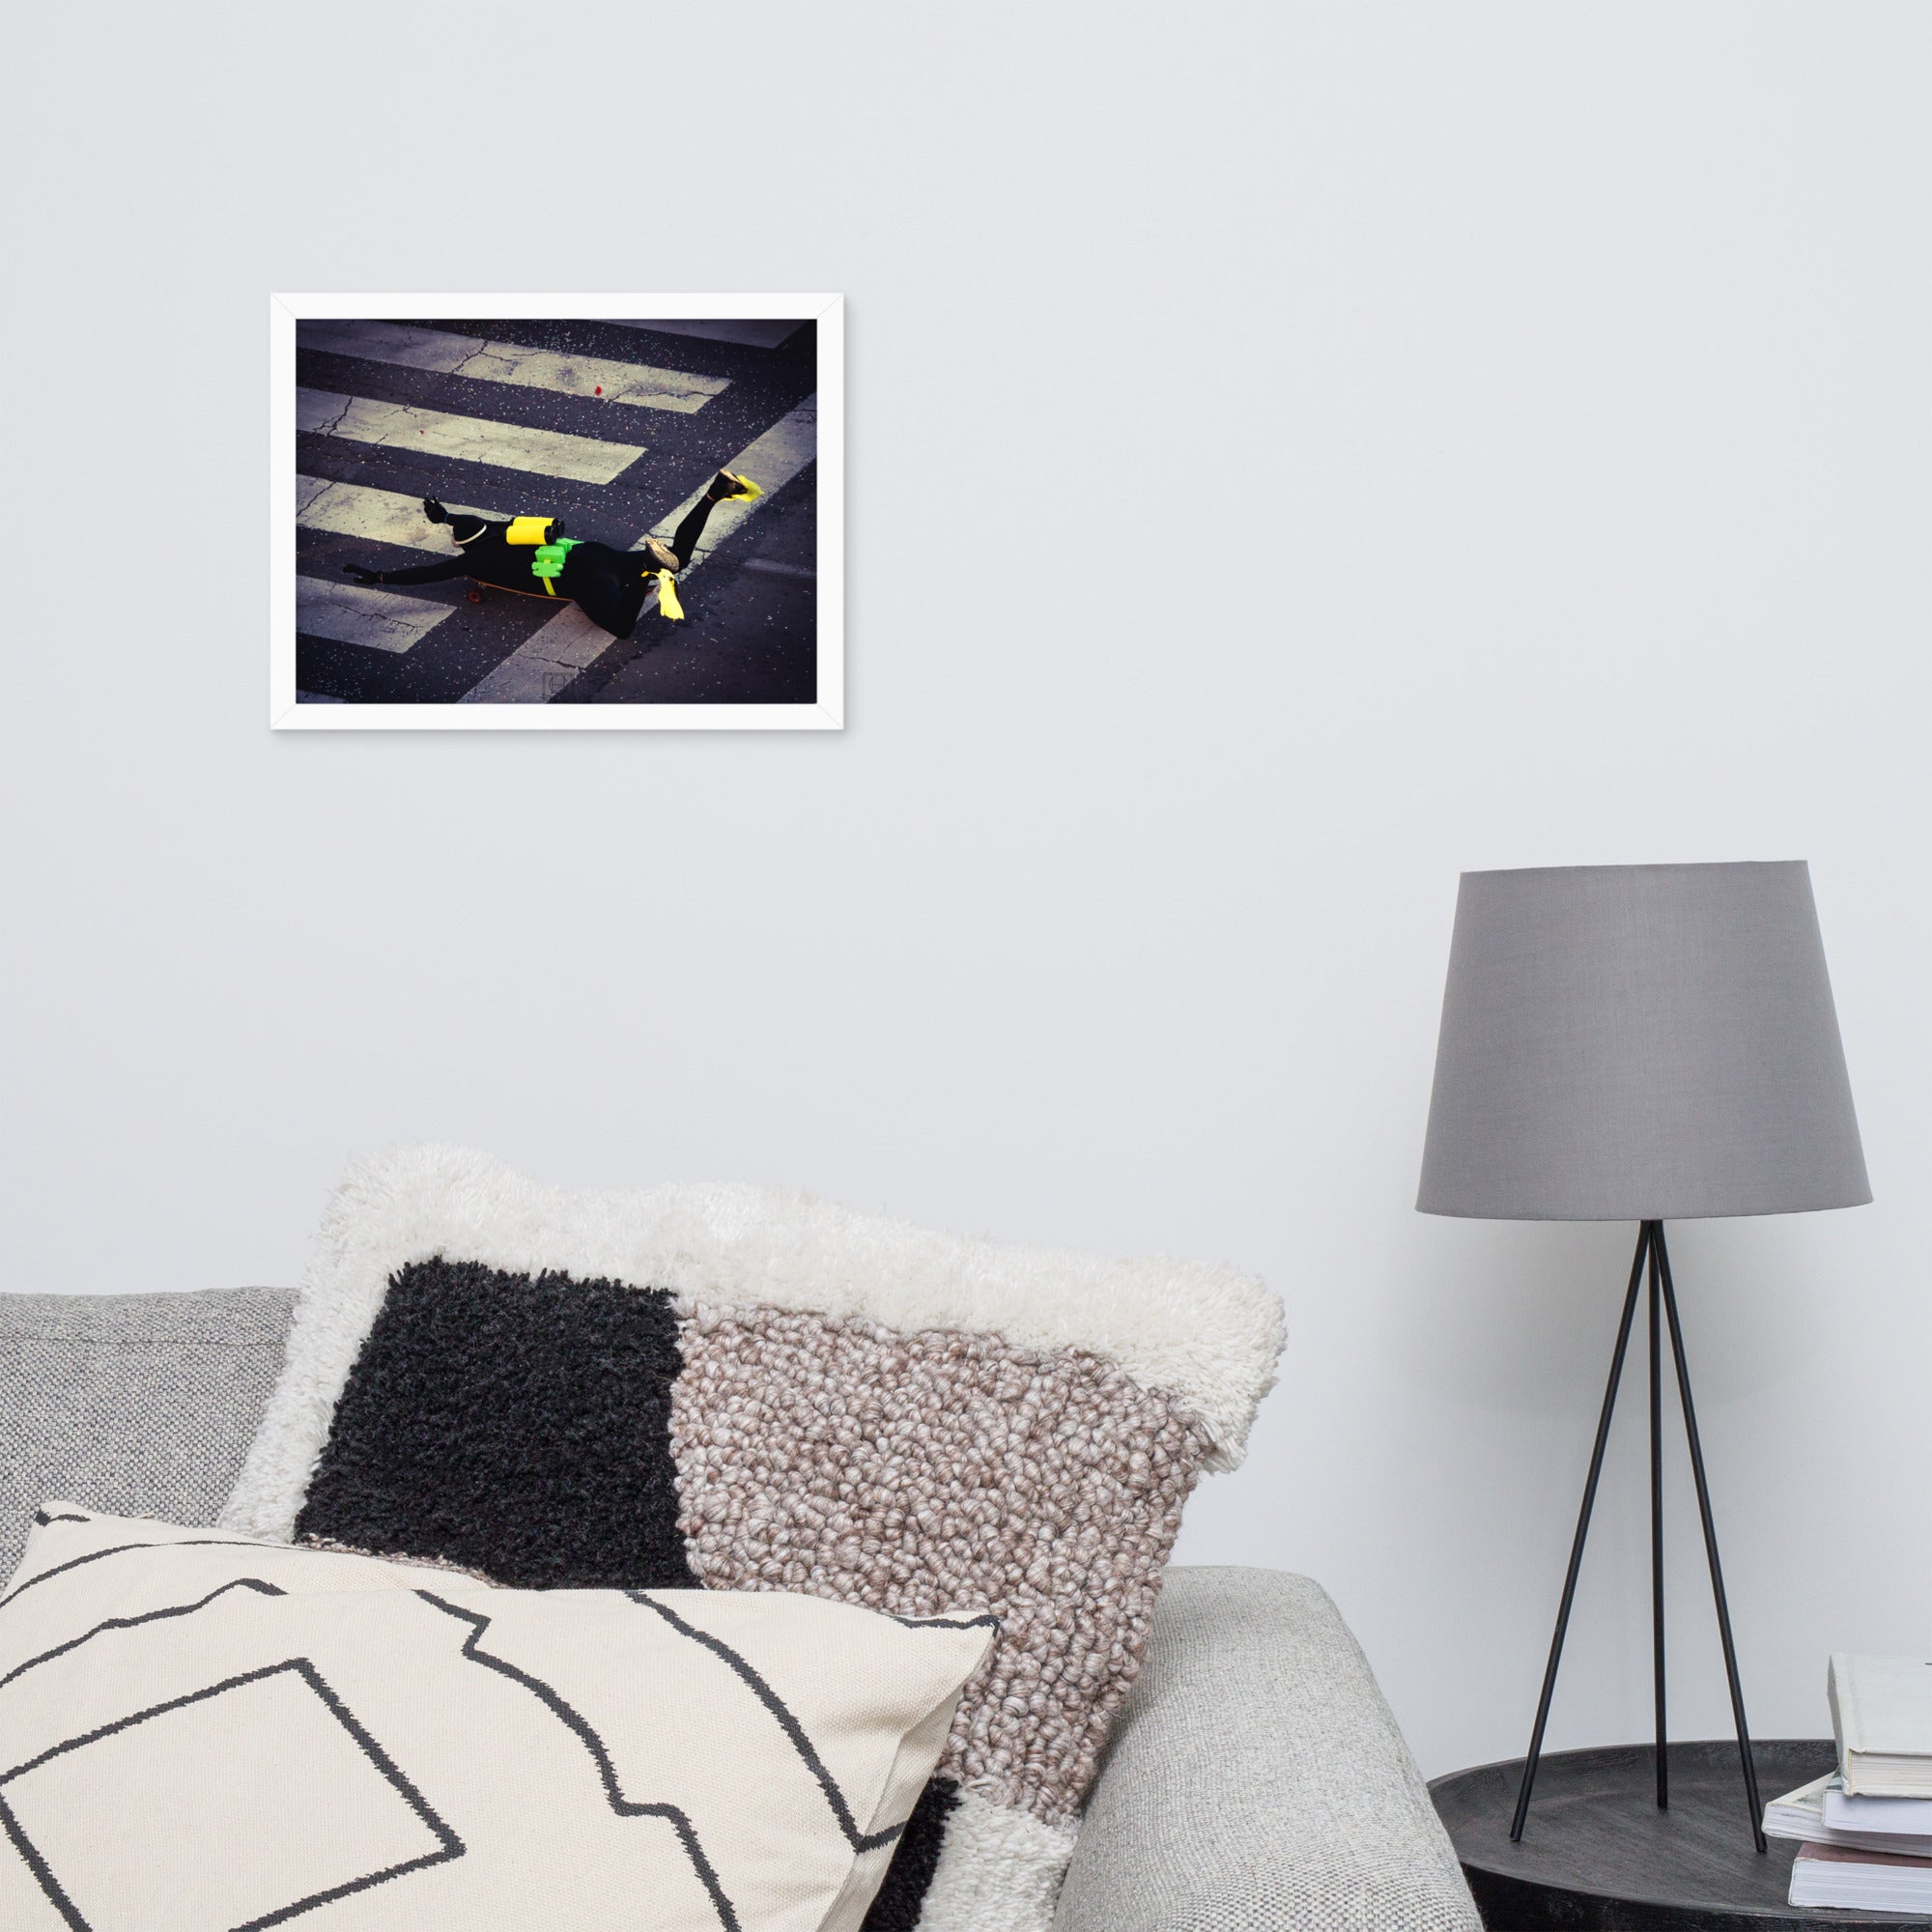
547	561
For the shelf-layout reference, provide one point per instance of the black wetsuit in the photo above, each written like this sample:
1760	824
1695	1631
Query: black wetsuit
607	585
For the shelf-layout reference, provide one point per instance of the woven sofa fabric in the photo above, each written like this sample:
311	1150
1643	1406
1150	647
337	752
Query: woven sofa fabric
1257	1779
142	1405
849	1409
198	1731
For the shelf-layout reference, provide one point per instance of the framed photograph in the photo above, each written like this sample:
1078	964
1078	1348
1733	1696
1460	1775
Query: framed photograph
556	512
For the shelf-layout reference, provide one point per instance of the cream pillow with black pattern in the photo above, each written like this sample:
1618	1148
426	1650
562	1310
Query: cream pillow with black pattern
204	1733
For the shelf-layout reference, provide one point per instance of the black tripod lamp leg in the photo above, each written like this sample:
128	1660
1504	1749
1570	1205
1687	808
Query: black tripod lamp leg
1711	1544
1583	1531
1656	1517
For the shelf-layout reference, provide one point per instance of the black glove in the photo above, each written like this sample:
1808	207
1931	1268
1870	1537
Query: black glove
362	575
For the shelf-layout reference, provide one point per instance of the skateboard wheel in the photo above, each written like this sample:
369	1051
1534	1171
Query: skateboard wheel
475	595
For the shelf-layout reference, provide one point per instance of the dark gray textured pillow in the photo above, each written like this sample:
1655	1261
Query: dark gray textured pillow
137	1404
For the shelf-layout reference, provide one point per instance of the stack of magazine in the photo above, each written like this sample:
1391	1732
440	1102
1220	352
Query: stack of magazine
1865	1828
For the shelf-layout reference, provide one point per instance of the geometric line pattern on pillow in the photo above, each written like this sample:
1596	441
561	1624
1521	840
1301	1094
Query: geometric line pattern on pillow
770	1733
860	1841
33	1581
836	1405
447	1844
606	1770
107	1624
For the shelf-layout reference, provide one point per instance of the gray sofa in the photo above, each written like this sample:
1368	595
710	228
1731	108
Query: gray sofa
1256	1779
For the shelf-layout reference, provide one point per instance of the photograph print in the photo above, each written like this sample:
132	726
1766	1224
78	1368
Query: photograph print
555	512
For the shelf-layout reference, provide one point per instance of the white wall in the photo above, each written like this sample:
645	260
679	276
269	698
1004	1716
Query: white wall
1296	454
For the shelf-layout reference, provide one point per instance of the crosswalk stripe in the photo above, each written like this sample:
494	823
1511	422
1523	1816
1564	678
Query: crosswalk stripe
549	452
450	354
377	516
540	666
771	462
356	613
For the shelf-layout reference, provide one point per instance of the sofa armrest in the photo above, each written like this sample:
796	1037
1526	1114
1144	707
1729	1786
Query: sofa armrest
1257	1779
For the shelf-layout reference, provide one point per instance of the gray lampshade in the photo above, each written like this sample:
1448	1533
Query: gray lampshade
1639	1042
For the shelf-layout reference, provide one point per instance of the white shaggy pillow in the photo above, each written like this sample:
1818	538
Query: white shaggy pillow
200	1732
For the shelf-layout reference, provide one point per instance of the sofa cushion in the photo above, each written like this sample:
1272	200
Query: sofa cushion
1258	1778
141	1404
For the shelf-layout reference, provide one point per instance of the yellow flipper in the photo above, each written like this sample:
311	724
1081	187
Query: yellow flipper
668	595
747	491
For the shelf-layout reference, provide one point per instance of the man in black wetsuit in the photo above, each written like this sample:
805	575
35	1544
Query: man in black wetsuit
607	585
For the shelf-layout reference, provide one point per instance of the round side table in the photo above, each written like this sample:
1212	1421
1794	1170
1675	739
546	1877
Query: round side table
1598	1855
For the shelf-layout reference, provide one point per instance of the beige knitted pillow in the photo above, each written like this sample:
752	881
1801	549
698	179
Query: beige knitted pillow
746	1389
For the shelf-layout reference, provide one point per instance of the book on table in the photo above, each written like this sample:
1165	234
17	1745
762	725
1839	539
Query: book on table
1820	1813
1907	1820
1881	1718
1858	1881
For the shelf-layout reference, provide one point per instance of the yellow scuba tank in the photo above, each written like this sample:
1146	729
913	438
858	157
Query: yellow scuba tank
531	529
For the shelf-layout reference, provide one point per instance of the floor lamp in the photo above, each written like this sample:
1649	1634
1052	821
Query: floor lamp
1641	1043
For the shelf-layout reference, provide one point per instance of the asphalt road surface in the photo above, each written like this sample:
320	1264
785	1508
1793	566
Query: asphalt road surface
616	428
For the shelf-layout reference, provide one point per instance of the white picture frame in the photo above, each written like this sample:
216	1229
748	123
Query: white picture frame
289	710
